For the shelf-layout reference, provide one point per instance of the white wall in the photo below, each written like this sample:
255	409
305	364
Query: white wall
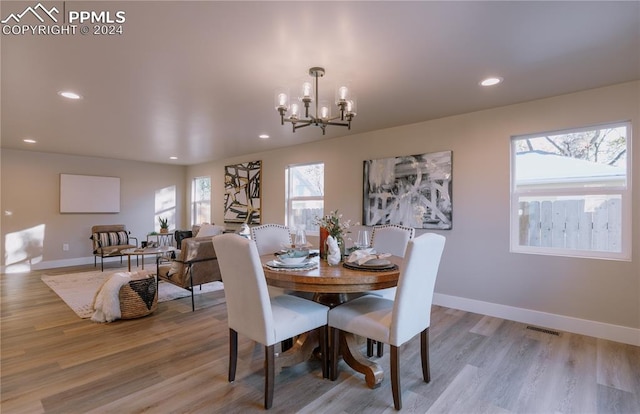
478	272
30	191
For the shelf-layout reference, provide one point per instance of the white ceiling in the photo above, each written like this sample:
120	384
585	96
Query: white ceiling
196	80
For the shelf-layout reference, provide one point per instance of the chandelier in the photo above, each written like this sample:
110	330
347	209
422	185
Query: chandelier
322	117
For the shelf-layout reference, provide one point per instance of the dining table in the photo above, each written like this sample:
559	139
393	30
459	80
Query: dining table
332	285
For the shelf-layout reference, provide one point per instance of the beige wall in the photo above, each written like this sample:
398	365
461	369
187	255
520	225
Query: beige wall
30	191
477	267
477	264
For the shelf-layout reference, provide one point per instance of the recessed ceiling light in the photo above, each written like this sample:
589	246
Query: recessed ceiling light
29	141
491	81
69	95
263	136
173	158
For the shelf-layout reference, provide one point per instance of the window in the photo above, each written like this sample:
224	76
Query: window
305	196
165	206
201	200
571	194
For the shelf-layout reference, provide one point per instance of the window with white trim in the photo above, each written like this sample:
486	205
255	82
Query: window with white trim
201	200
304	185
570	192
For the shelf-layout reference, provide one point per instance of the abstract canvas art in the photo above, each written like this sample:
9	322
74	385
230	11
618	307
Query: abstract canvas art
242	193
413	190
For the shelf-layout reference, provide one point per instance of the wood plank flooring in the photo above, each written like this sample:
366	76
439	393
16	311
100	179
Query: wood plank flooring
175	361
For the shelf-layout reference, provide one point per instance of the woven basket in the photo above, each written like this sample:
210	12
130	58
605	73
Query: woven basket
138	298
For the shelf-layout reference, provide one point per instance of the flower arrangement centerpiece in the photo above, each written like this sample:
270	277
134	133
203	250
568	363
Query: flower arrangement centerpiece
334	226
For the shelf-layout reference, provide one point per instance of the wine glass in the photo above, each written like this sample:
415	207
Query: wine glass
362	242
301	239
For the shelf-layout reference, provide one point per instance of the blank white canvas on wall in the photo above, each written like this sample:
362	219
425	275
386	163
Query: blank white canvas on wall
89	194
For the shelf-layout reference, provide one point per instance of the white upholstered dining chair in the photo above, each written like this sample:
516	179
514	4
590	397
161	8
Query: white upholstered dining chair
395	322
270	238
391	238
254	314
388	238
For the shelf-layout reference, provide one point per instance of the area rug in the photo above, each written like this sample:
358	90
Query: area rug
78	289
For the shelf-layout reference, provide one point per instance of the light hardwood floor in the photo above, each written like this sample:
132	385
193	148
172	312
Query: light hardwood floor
175	361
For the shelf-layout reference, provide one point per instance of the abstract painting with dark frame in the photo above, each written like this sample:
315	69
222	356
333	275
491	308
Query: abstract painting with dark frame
242	193
413	190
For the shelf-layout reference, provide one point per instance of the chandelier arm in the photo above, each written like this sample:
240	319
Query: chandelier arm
300	125
336	124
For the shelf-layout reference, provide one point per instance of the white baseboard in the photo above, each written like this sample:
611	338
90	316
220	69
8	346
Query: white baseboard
596	329
52	264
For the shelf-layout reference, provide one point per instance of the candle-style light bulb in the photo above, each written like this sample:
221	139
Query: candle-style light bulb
282	99
351	107
295	111
343	91
306	90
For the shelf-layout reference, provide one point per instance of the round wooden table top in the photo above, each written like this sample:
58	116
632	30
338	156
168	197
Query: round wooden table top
332	279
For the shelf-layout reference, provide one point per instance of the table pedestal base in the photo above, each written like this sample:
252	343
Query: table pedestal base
349	345
301	351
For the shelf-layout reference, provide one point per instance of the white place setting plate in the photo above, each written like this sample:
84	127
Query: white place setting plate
278	263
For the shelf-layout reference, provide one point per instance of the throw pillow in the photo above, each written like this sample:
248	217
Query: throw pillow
209	230
175	268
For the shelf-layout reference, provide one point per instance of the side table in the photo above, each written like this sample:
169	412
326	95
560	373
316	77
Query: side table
162	239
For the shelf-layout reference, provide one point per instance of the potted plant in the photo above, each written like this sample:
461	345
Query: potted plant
164	224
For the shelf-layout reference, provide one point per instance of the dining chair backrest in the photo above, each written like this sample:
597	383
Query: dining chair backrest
414	295
245	288
270	237
391	238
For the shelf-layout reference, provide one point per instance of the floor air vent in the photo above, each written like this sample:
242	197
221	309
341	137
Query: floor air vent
547	331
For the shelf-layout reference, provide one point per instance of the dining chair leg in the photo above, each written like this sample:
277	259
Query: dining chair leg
395	377
380	350
269	375
334	334
324	349
370	343
424	355
233	354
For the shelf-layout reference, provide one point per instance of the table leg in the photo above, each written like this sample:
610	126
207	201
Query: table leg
373	372
129	261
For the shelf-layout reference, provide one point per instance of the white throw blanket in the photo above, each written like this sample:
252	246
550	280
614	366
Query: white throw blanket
106	303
